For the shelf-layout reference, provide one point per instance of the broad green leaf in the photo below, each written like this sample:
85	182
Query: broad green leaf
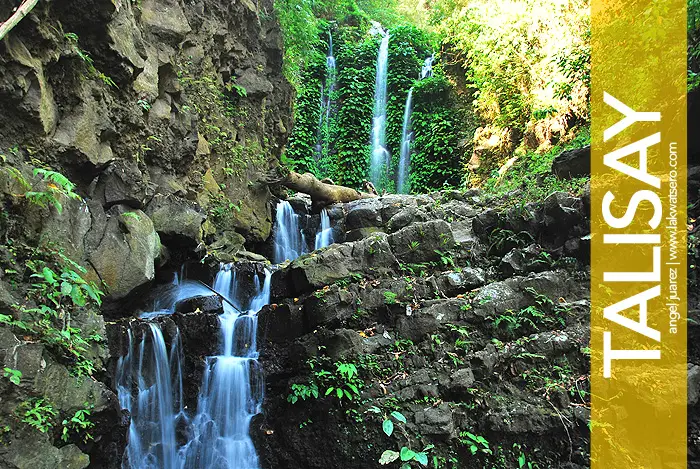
339	392
407	454
421	458
388	427
398	416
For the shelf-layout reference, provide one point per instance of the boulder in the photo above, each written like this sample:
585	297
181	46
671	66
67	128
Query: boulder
693	384
363	213
33	450
370	256
176	220
121	182
573	163
125	256
436	421
461	381
420	241
208	304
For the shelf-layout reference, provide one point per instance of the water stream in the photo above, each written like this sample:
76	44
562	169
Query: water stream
402	185
406	139
289	241
324	119
324	237
149	385
380	155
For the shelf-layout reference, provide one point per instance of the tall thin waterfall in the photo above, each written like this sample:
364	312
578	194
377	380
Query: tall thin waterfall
380	155
402	186
289	242
149	385
324	237
406	139
156	411
327	90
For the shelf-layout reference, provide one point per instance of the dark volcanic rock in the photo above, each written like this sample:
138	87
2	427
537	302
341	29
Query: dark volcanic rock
574	163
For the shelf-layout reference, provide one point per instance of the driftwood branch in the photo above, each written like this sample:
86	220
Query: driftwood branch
21	12
321	191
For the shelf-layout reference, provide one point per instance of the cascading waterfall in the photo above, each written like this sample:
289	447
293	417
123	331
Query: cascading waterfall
324	237
406	139
232	389
380	155
289	242
231	392
402	186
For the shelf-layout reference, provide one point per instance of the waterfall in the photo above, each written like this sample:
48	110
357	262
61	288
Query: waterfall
323	136
157	409
289	242
324	237
406	138
380	155
402	186
232	388
149	386
427	70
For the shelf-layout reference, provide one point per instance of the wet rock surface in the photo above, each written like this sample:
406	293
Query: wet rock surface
464	315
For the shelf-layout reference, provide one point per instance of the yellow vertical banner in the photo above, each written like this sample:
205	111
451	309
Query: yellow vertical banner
638	228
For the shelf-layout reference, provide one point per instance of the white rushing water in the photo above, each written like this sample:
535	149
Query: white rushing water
402	186
427	70
323	132
379	162
149	385
324	237
289	242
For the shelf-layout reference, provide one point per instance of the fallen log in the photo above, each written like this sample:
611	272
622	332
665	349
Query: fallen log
320	192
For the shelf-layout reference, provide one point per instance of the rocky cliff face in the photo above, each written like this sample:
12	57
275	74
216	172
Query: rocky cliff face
166	114
173	108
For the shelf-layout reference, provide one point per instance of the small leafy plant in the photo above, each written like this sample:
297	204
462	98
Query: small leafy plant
406	455
15	376
78	424
38	414
475	443
57	185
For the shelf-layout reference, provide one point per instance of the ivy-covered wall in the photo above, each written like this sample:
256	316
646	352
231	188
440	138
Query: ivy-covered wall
339	148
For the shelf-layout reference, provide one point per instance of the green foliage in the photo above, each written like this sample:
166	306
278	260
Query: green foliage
15	376
78	424
222	210
303	392
38	413
693	44
343	382
475	443
531	174
390	298
436	160
58	289
307	112
516	55
356	75
405	454
72	40
57	186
